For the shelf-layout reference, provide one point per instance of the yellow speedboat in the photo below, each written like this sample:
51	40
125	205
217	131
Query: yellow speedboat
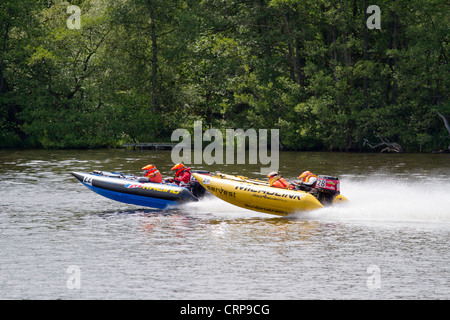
257	195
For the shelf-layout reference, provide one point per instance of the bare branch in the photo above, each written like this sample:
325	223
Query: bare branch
447	126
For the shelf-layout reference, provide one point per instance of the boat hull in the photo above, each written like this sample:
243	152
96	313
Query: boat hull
258	197
153	195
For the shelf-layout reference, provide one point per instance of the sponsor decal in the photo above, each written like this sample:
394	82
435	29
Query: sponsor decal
275	193
87	180
151	188
256	207
222	191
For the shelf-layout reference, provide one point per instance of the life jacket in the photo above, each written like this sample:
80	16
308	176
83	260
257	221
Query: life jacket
308	178
278	182
154	175
183	175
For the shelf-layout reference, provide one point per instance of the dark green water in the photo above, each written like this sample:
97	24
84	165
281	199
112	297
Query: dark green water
398	222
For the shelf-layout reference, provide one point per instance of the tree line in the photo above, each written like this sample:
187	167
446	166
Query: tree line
136	70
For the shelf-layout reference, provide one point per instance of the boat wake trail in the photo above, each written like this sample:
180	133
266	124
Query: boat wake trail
388	199
219	208
375	198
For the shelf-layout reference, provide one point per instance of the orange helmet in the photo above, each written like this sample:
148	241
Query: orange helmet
149	167
304	174
178	166
272	174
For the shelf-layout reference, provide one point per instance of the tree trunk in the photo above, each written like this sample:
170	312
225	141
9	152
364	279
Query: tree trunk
365	52
395	84
291	51
262	23
3	84
154	76
334	58
446	124
392	85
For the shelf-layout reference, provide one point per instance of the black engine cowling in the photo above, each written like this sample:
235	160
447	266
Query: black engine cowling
327	188
195	187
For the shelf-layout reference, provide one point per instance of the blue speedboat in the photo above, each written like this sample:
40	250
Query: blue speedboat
138	190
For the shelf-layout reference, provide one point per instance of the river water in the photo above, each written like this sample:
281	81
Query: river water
59	240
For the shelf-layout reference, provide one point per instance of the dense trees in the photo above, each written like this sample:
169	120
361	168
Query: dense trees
136	70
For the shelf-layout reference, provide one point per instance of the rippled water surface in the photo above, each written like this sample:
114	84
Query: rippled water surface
59	240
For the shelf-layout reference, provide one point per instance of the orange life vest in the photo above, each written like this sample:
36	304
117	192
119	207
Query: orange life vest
154	176
278	182
308	177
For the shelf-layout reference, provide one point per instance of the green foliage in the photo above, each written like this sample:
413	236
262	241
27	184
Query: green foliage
138	69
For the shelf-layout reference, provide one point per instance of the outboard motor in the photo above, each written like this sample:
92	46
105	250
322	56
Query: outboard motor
195	187
327	189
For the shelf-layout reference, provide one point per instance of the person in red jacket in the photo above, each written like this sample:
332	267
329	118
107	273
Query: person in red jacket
182	173
152	173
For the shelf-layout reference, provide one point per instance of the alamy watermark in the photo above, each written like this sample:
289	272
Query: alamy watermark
374	280
372	22
74	21
222	150
74	279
